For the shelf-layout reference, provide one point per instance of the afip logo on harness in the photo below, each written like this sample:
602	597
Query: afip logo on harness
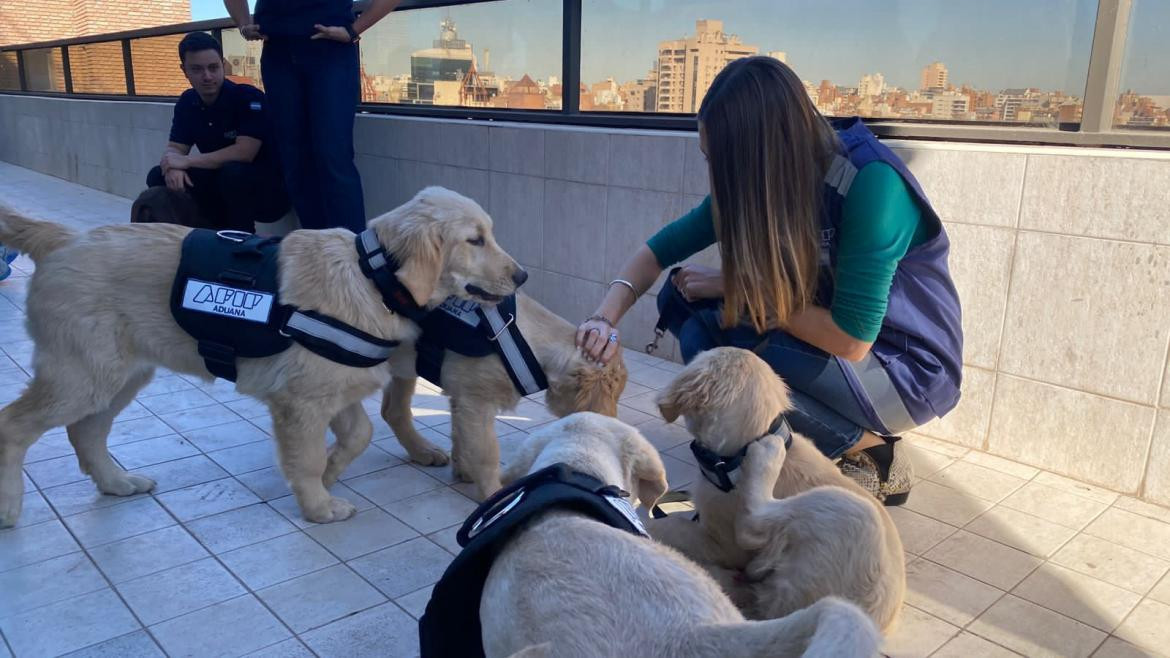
461	309
218	299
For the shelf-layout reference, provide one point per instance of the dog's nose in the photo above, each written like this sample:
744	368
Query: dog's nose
519	277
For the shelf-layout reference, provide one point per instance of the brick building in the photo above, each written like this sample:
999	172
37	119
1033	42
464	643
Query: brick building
96	68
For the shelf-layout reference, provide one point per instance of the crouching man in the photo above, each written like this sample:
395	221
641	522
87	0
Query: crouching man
234	180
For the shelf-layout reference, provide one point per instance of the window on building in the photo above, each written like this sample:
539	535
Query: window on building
44	69
9	71
994	61
242	58
503	55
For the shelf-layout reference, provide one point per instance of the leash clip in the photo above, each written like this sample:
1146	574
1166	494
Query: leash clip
511	319
652	346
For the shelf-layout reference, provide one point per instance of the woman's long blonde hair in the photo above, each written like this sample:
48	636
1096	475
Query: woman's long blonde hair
768	150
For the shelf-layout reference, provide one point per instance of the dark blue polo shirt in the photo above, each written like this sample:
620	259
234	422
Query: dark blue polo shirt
296	18
238	111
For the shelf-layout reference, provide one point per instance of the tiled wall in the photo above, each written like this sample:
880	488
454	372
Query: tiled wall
1061	256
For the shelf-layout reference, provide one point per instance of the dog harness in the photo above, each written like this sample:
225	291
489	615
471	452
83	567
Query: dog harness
472	330
226	295
450	626
718	469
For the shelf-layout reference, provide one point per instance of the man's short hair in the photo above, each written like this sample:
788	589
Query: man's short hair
195	42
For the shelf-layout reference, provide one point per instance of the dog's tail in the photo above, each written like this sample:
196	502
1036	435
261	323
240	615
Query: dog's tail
829	628
33	237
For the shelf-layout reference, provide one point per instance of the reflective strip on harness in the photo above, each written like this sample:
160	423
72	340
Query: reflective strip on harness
513	359
370	241
340	338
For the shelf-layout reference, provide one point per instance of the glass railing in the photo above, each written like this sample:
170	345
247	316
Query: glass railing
1000	70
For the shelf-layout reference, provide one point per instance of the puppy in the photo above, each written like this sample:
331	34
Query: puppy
793	529
583	588
479	388
99	314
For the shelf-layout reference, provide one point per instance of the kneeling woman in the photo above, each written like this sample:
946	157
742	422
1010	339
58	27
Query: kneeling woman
834	269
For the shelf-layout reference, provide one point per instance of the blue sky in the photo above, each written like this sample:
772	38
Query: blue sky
991	44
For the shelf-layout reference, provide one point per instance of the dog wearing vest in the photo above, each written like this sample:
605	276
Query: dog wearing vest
100	314
480	388
779	527
568	584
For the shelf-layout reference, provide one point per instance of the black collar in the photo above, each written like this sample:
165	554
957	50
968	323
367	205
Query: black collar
717	469
380	266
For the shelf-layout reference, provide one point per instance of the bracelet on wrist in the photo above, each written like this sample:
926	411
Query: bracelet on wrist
600	318
627	284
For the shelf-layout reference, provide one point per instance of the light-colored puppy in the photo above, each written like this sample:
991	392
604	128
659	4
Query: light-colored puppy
586	589
99	314
794	529
479	388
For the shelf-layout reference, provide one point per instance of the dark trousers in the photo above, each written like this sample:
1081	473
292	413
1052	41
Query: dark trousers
312	88
235	196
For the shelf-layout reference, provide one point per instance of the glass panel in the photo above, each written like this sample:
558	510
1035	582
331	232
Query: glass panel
44	70
9	73
156	66
990	61
97	68
1145	74
504	54
242	58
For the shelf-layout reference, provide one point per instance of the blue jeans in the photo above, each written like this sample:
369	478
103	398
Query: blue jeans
825	406
312	87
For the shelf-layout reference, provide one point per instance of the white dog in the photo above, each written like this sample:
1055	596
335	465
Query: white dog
793	529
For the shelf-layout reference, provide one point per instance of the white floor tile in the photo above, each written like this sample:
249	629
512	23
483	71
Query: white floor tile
240	527
138	644
1088	600
918	634
233	627
947	594
1112	563
109	524
68	625
229	435
277	560
1148	626
403	568
318	598
246	458
57	579
23	546
177	591
147	553
382	631
393	484
434	510
153	451
207	499
1035	631
182	473
983	559
366	532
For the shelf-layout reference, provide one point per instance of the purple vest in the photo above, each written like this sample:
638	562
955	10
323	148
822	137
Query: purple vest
920	343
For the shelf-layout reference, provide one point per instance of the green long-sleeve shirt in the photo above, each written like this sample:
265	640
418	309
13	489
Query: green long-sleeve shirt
881	223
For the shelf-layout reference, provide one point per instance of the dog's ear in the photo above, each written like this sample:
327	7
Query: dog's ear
688	391
598	389
520	463
648	474
420	251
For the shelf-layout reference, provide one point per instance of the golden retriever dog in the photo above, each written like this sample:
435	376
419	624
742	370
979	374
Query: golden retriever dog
98	312
793	529
567	585
479	388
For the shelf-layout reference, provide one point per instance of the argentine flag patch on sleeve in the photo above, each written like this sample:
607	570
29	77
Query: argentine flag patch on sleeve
229	302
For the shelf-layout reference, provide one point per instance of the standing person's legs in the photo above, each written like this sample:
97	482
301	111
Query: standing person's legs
333	82
250	194
283	67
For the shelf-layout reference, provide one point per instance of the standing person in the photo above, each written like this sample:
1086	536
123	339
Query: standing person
834	268
311	75
234	178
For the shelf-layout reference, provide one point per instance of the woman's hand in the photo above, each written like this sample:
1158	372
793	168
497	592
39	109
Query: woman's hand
697	282
333	33
251	32
598	340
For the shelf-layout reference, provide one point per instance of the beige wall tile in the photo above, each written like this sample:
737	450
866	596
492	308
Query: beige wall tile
1115	648
1157	487
569	297
1112	563
632	216
574	230
518	150
1062	430
977	481
577	155
969	187
1103	197
980	263
947	594
1161	592
463	144
1023	531
696	179
1166	384
967	423
518	217
1054	505
1068	322
1036	631
647	162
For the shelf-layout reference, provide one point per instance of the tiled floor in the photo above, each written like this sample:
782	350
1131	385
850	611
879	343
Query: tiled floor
1003	559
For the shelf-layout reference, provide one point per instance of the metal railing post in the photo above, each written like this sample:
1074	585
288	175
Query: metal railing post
1105	61
571	57
68	69
20	70
128	66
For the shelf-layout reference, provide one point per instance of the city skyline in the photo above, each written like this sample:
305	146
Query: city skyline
988	45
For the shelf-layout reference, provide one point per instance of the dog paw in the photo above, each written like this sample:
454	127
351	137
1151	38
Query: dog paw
338	509
10	510
126	485
429	456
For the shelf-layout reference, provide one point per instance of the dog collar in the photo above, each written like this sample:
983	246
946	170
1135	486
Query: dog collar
380	266
717	469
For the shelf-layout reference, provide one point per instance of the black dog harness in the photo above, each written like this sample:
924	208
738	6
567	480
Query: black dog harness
226	296
472	330
717	469
450	626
